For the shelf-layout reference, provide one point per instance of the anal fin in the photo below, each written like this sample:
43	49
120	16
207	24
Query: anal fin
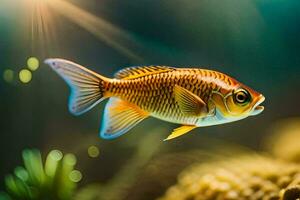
180	131
119	117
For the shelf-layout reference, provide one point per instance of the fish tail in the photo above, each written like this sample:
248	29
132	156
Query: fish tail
87	87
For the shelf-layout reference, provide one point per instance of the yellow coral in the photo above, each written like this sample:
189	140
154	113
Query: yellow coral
284	142
248	177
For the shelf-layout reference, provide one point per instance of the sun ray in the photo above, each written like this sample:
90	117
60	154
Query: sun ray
40	26
107	32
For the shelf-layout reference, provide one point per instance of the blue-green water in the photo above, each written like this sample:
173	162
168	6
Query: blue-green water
256	42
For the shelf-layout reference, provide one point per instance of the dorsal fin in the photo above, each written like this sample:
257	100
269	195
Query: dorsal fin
135	72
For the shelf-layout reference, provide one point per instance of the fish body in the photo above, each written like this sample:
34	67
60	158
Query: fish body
189	96
154	93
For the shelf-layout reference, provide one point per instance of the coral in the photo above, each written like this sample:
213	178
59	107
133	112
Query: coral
56	179
284	142
248	177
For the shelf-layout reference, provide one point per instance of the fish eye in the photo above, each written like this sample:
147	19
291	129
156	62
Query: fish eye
242	96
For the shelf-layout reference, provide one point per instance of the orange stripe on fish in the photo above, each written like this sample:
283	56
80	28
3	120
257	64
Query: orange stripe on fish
189	96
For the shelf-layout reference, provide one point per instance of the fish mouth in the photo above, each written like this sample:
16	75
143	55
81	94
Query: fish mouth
257	108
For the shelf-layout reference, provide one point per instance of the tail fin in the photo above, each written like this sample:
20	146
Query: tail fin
87	87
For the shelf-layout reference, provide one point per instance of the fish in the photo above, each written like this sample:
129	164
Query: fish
191	97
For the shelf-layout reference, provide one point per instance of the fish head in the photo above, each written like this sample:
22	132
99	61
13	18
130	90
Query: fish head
238	102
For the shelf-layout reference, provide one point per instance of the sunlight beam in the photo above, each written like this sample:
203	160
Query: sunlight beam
108	33
41	26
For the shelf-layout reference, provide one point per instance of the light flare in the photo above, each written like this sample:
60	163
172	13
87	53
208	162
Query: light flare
41	24
25	76
41	21
33	63
93	151
8	75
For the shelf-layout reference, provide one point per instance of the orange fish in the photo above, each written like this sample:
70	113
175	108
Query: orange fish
188	96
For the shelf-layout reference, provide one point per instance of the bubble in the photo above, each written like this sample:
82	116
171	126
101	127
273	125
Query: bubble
25	76
33	63
75	176
93	151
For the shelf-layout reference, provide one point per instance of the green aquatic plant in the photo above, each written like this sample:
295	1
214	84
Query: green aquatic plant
55	179
242	178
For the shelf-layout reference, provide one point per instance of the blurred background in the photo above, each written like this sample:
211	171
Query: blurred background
255	41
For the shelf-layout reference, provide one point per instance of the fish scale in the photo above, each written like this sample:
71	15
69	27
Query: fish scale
158	99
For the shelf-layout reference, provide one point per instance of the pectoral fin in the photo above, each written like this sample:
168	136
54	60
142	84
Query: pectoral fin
119	117
189	103
180	131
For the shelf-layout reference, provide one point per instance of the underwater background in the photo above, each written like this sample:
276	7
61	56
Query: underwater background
254	41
